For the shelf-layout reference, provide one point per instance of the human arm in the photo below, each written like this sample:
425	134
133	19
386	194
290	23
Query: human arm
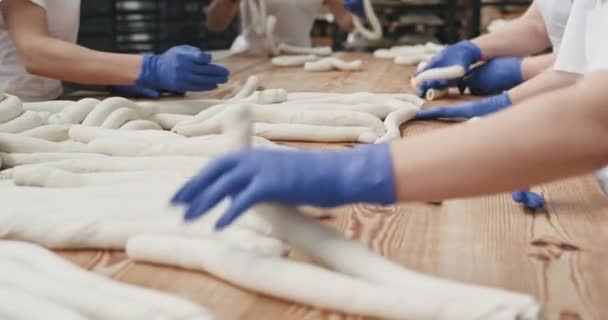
535	65
342	16
220	13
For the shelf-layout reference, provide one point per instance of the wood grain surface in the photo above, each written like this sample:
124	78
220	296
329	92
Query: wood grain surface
559	255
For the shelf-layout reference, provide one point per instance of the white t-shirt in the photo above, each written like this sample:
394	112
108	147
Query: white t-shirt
555	14
63	23
295	19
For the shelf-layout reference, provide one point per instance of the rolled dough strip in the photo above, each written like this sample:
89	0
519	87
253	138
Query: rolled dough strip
349	98
24	122
10	160
393	124
421	66
100	290
75	113
51	132
271	96
313	133
412	59
10	108
179	107
433	94
280	278
454	72
102	111
202	116
13	143
45	177
293	50
119	117
141	125
328	64
85	134
376	28
168	120
54	106
19	305
249	88
293	61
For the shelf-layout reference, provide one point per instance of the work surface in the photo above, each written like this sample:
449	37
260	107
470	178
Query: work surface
558	255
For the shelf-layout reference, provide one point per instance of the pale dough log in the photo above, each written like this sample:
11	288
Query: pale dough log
102	111
54	106
416	50
319	51
44	177
270	96
314	133
280	278
179	107
393	124
331	63
119	117
437	74
74	113
168	120
375	33
13	143
433	94
93	294
293	61
51	132
412	59
202	116
10	108
141	125
10	160
251	85
85	134
24	122
19	305
349	98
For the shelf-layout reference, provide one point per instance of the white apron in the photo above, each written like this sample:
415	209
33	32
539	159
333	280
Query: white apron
555	14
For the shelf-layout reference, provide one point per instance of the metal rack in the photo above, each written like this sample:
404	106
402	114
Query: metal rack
478	5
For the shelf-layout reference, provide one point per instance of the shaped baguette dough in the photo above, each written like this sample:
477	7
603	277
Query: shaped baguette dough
10	108
393	124
141	125
249	88
10	160
454	72
85	134
314	133
53	106
119	117
318	51
24	122
103	110
168	120
407	51
20	305
74	113
376	28
412	59
51	132
293	60
13	143
433	94
328	64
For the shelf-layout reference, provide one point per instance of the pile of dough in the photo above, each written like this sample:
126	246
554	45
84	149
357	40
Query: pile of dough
410	55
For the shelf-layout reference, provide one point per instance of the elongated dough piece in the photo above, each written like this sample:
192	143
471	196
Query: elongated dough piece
53	106
203	116
13	143
350	98
293	61
412	59
179	107
102	111
51	132
119	117
393	124
74	113
44	177
10	108
251	85
85	134
318	51
375	33
438	73
24	122
168	120
19	305
270	96
332	63
433	94
141	125
313	133
10	160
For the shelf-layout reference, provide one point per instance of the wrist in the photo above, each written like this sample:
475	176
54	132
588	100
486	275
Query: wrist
481	52
474	50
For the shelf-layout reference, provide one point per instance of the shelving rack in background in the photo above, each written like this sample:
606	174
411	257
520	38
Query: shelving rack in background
504	8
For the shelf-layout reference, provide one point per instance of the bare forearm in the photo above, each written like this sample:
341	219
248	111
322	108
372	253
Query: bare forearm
533	66
554	136
507	41
547	81
220	13
344	19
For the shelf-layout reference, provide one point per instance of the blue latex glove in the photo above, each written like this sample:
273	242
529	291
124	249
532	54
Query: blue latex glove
134	92
355	6
318	178
529	199
181	69
463	53
493	77
467	110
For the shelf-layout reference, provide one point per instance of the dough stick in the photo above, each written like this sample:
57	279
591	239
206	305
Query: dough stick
19	305
74	113
376	32
52	132
293	61
109	294
393	124
101	111
281	278
412	59
249	88
10	160
202	116
87	134
44	177
26	121
318	51
359	97
454	72
13	143
141	125
433	94
119	117
179	107
10	108
270	96
328	64
168	120
315	133
54	106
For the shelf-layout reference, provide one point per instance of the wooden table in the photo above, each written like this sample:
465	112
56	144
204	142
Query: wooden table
559	255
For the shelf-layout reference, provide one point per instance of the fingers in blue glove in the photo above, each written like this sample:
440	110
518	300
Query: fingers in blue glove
355	6
529	199
191	53
467	110
239	204
207	176
435	84
494	76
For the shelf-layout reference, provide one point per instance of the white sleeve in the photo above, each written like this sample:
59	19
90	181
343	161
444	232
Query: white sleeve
41	3
571	55
596	48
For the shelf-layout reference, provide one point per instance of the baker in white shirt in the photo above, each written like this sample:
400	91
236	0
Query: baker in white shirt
38	51
295	19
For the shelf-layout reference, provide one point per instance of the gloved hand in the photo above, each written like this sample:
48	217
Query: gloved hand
493	77
529	199
134	92
181	69
463	53
355	6
318	178
467	110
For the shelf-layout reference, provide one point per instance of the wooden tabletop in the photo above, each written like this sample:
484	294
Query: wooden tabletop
560	255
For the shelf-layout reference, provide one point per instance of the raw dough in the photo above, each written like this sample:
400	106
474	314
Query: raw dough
293	61
328	64
10	108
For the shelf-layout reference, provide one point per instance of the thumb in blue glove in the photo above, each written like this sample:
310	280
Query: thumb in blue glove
355	6
318	178
530	200
494	76
467	110
134	92
181	69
